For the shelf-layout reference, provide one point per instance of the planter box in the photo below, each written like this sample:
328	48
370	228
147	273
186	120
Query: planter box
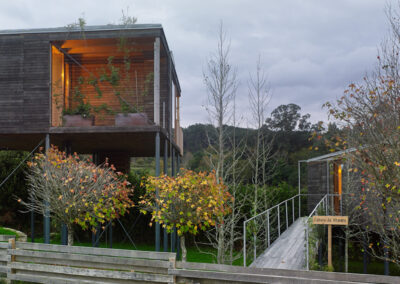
131	119
77	120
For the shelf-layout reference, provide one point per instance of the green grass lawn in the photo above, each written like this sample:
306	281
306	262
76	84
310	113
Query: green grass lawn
4	231
374	267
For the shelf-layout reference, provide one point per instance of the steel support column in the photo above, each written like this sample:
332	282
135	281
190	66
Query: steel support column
173	234
46	217
64	229
178	240
165	237
299	189
157	150
110	234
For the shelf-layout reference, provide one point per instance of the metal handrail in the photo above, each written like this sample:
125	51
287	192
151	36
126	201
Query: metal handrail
268	222
324	200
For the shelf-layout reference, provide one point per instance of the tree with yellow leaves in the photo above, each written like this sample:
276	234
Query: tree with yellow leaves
189	202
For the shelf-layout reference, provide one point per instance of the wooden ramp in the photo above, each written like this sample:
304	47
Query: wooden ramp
287	252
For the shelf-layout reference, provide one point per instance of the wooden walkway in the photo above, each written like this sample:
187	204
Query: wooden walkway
287	252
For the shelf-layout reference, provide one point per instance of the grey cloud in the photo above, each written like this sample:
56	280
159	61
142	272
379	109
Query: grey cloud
311	49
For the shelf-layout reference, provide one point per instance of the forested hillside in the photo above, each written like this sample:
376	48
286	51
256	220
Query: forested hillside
290	135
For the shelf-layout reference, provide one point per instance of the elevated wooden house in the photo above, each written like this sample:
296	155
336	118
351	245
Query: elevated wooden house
110	90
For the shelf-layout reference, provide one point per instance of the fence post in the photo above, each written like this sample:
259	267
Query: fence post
287	218
279	222
244	243
172	265
10	256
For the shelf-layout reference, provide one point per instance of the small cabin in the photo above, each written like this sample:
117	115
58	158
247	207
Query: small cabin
328	174
107	89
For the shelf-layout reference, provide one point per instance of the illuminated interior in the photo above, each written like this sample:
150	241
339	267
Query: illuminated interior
337	185
106	76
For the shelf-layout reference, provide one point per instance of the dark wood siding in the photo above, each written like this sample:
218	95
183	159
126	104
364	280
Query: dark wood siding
24	84
11	89
317	183
36	80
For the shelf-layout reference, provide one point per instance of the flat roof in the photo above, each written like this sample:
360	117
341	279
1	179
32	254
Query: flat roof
330	156
86	29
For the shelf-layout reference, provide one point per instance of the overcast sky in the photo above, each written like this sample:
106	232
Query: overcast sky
311	49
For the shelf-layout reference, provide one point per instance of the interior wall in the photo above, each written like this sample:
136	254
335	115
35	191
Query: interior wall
135	87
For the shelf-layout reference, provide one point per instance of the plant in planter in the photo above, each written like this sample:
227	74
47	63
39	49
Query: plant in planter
80	115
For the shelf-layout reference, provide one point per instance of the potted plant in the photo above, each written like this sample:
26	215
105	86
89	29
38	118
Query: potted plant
79	116
133	115
130	116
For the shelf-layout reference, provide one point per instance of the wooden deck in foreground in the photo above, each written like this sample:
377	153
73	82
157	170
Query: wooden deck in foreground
287	252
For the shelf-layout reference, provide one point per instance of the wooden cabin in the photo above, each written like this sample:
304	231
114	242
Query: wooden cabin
328	174
107	89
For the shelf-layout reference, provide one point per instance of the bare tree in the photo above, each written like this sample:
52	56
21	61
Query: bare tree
224	150
261	157
221	84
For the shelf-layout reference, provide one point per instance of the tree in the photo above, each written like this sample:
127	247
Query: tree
221	84
261	156
284	117
189	202
75	191
369	113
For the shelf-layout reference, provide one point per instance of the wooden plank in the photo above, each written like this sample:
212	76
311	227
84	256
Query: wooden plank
336	276
50	280
94	265
3	245
248	278
91	272
71	259
96	251
287	252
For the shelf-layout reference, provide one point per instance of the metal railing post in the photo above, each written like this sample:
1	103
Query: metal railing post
326	205
307	253
293	210
255	246
287	218
299	185
244	243
341	205
279	222
299	205
269	240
